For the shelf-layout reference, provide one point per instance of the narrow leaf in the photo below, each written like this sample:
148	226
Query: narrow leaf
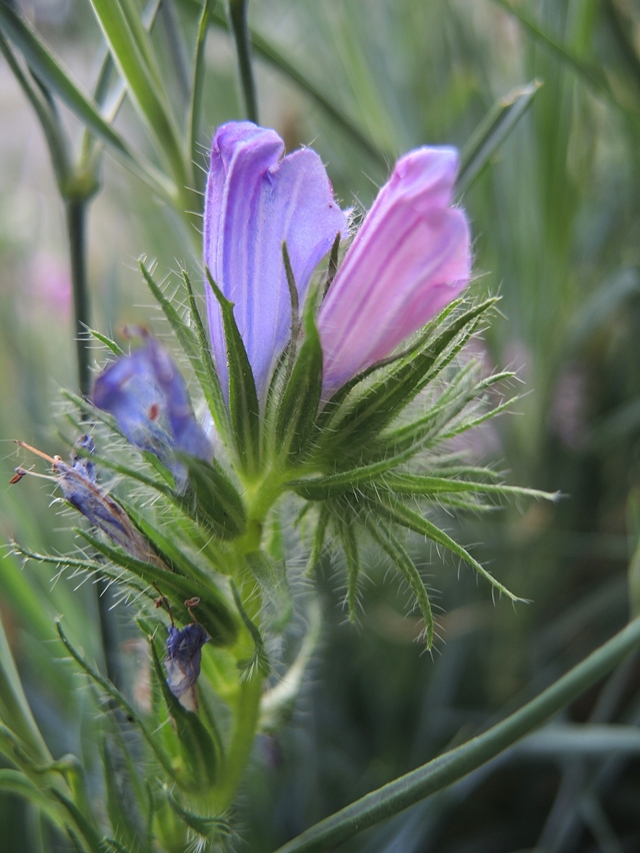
492	131
126	706
398	513
217	501
213	612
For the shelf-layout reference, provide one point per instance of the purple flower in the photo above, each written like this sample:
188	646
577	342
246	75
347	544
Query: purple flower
254	202
184	653
148	397
409	259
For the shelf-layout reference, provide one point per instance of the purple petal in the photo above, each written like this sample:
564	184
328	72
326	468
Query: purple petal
147	395
184	654
254	202
409	259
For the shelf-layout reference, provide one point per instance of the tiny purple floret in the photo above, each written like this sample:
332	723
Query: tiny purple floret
410	258
184	654
254	202
147	395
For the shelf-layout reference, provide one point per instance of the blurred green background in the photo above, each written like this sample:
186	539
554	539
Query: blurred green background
556	224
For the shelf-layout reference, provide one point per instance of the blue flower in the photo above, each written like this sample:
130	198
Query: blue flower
147	395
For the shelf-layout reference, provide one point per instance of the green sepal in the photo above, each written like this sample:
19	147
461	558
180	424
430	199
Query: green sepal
197	746
333	485
196	348
397	512
259	659
403	562
213	611
205	825
244	409
210	381
217	502
298	406
384	398
345	528
272	578
414	484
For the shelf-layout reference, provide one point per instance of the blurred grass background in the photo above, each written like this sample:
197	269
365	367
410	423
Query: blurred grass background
556	222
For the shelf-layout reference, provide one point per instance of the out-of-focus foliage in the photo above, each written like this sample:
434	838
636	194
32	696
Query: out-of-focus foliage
556	221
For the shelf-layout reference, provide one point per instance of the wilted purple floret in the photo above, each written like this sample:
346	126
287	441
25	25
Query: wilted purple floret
184	653
79	486
409	259
254	202
148	397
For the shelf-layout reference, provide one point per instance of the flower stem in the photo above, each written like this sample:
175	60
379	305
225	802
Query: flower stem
457	763
240	27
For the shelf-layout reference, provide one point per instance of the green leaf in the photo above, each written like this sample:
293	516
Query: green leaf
413	484
15	782
15	711
398	513
443	771
217	501
213	612
298	406
244	408
112	691
48	68
492	131
118	811
392	546
132	53
198	748
86	827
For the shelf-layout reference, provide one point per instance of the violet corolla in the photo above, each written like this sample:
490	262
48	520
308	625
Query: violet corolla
408	260
147	395
255	201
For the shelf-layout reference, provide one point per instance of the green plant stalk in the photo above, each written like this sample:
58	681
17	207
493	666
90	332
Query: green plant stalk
239	25
247	715
76	217
457	763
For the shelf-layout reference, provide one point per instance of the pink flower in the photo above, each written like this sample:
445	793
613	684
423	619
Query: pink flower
409	259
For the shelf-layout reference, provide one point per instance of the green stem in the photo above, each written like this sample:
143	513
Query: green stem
76	212
238	16
457	763
244	732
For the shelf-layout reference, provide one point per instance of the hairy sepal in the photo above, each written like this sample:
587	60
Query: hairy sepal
216	501
244	409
